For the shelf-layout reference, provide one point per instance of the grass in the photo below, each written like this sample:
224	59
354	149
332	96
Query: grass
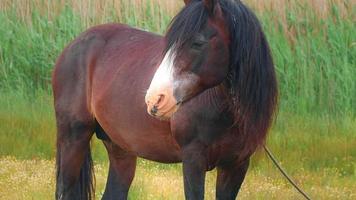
314	136
34	179
27	126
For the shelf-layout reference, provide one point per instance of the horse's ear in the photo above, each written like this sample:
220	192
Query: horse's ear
210	5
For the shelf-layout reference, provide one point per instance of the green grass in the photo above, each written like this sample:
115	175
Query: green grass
315	61
27	125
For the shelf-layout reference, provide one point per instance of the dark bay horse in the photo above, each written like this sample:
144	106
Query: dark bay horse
209	87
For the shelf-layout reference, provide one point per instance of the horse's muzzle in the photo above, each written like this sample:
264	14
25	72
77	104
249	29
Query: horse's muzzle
161	105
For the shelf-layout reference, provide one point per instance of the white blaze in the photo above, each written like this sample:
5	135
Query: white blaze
163	77
159	95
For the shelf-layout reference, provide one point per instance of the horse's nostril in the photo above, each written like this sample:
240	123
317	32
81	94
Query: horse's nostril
154	110
160	99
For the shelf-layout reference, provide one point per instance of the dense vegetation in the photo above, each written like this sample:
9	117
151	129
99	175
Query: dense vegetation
314	51
313	44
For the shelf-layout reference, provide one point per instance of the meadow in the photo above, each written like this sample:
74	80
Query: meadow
314	136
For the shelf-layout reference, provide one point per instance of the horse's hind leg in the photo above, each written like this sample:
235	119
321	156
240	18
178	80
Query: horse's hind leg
229	180
121	172
74	164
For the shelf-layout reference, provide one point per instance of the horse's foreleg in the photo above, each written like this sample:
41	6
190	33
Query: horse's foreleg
229	180
121	172
74	164
194	169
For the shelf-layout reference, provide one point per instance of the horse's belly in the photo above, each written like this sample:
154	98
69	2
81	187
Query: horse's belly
149	143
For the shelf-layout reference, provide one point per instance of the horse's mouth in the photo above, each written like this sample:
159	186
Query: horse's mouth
167	114
166	111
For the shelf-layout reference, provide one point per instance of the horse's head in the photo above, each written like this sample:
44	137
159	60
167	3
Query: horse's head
196	57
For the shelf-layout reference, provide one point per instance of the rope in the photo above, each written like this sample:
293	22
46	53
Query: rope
270	155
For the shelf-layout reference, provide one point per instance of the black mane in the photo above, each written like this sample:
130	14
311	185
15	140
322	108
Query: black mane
252	77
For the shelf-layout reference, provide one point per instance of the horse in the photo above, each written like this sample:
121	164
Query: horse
205	94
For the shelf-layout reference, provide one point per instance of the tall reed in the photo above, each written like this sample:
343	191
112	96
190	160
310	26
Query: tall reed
312	41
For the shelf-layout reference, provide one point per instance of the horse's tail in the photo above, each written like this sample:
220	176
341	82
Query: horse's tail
85	184
86	178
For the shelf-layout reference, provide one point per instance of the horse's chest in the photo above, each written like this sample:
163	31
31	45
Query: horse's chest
223	151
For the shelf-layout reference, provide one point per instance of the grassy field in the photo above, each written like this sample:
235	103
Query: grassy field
34	179
314	47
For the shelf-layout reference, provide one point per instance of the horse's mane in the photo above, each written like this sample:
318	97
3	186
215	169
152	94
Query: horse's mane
252	78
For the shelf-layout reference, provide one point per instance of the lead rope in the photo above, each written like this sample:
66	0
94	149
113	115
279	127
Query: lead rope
270	155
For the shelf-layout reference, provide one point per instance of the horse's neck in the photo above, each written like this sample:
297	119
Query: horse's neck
218	99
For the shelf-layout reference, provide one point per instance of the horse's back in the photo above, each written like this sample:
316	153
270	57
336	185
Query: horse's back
75	67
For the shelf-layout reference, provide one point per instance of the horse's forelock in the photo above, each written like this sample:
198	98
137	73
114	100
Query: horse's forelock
185	25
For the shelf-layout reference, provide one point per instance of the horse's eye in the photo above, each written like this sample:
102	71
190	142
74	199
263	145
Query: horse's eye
197	45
